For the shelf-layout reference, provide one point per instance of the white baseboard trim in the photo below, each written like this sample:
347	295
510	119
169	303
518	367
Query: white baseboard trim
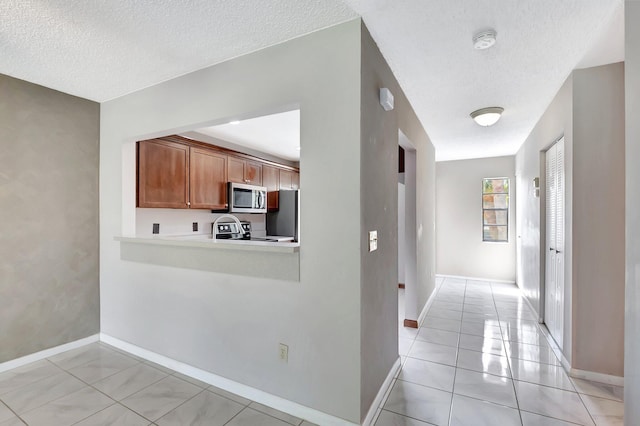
576	373
462	277
528	302
375	405
597	377
245	391
427	305
27	359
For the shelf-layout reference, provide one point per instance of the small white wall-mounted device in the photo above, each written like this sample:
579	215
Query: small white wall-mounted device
386	99
373	241
536	186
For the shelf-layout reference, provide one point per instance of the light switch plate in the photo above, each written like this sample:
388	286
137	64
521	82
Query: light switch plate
373	241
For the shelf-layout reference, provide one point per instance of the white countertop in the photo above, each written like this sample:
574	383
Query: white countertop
205	241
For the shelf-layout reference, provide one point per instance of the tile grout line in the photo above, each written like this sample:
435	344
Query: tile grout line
455	371
513	382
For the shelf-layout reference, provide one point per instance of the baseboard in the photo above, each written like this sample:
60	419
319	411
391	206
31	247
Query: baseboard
245	391
28	359
528	302
410	323
461	277
597	377
427	305
373	409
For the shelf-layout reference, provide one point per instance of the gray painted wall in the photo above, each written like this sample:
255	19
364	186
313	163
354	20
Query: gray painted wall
598	221
530	231
460	249
588	110
632	217
227	324
48	218
379	211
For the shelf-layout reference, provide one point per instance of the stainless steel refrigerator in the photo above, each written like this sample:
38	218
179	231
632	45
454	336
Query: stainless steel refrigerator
286	221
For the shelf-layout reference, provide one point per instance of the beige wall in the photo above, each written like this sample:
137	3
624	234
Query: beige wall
598	220
632	217
460	249
379	211
48	218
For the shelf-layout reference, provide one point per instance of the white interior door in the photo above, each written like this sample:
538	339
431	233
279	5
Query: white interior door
559	280
550	261
554	262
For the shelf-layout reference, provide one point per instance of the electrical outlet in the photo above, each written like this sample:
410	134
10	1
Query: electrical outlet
156	228
195	226
284	352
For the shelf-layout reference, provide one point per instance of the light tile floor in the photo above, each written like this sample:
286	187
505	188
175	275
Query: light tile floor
480	358
100	385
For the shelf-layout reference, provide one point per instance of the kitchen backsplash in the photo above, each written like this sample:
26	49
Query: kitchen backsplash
180	221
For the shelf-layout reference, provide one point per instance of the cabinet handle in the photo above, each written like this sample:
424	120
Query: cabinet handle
188	203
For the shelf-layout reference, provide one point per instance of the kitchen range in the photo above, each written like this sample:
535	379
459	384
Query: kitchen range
281	225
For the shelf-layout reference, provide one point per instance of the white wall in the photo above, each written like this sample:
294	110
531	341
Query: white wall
460	249
554	123
598	221
588	111
231	325
632	196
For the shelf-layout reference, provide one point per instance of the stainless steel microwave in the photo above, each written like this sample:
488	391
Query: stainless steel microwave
247	198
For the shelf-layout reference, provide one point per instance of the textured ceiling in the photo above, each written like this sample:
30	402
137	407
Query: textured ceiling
275	134
428	45
103	49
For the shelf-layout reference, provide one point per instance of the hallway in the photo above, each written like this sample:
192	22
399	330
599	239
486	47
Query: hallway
480	358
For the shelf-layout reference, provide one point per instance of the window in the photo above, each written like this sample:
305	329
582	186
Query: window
495	210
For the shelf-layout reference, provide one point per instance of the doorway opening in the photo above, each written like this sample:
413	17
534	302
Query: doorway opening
407	244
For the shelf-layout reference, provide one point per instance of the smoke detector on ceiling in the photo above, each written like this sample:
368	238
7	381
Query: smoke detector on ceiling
484	39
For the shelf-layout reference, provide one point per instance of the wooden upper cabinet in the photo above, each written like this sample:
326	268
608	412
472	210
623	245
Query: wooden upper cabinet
163	174
244	171
178	173
271	180
286	179
253	173
236	169
295	181
208	179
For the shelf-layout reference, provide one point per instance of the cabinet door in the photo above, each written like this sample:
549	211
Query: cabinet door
163	174
271	180
236	170
286	179
253	173
295	181
208	173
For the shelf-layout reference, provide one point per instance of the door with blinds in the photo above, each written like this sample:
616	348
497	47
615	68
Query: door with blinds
554	269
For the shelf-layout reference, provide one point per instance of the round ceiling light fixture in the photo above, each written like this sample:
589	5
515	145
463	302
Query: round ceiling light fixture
484	39
486	117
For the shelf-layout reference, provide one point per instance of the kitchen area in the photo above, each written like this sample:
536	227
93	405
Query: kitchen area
234	186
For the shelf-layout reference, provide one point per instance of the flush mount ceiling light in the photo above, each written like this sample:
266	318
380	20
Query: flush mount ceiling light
234	122
484	39
487	116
